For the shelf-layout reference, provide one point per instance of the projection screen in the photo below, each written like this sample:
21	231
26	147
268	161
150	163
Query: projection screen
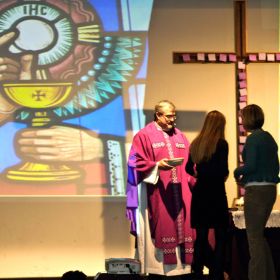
67	68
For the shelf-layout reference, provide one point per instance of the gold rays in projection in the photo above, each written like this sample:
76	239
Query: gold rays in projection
89	33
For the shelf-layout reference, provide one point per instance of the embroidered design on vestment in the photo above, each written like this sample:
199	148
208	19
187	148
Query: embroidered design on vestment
169	251
158	145
177	200
189	251
168	239
180	145
188	239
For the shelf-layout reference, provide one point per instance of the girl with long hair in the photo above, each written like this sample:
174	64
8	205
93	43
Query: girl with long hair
208	162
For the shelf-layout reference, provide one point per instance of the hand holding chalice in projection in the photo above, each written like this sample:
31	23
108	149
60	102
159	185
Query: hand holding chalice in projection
11	70
60	144
38	96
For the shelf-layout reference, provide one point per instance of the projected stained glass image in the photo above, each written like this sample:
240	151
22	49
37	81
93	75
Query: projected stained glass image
66	70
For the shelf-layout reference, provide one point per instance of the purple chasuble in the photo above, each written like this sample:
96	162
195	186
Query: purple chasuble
168	200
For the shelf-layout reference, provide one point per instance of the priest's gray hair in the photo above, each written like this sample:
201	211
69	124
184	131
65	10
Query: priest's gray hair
159	105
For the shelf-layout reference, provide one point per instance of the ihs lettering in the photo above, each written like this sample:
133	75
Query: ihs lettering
35	10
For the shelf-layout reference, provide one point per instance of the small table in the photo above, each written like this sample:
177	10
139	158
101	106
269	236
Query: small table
238	252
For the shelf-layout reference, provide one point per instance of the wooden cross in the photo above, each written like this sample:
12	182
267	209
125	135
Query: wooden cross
240	58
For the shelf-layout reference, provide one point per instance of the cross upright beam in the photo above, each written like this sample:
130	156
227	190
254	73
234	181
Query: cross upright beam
239	28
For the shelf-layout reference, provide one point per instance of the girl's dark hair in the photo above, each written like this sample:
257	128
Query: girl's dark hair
252	117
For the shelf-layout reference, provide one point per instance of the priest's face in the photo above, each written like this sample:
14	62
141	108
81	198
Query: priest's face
166	117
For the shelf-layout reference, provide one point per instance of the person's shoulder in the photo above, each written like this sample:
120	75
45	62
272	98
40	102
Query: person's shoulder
146	130
222	146
259	137
178	131
149	127
254	140
271	138
268	134
223	143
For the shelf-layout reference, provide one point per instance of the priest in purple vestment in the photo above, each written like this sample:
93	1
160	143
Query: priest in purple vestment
157	180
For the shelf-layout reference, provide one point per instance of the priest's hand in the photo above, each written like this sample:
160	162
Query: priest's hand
163	165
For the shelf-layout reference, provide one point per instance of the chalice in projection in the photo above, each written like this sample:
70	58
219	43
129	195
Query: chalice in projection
39	97
45	31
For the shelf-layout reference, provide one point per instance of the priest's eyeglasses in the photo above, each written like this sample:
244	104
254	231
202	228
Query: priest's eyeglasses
169	117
